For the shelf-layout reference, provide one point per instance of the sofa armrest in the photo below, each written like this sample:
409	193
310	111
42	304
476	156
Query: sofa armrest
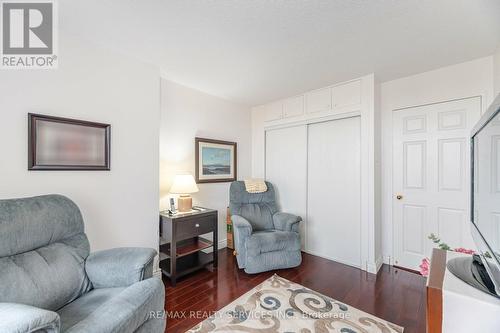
20	318
286	221
119	267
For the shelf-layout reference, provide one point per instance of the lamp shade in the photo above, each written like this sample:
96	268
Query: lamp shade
183	184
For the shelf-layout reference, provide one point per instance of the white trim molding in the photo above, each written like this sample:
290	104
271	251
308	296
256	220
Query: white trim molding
374	267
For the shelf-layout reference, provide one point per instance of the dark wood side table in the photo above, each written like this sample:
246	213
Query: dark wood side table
181	243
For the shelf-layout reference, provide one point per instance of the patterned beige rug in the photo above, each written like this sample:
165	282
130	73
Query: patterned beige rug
279	305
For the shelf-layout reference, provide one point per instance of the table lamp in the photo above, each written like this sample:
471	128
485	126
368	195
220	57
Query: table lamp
184	185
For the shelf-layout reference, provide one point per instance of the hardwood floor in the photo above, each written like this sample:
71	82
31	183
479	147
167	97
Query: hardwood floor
393	294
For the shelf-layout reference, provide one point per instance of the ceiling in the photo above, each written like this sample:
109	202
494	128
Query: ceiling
255	51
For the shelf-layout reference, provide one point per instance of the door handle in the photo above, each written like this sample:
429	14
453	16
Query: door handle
399	196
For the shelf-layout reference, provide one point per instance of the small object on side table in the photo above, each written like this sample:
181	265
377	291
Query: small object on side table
172	209
180	235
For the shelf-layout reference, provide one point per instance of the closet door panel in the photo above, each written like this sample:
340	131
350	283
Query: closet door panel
333	199
286	169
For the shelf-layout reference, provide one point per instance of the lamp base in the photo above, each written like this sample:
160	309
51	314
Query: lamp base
184	203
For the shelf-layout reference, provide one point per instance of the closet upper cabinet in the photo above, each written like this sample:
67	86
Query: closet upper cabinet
293	106
319	100
345	95
273	111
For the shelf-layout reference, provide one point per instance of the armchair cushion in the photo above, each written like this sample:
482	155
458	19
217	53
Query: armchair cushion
48	277
256	208
82	307
20	318
42	252
119	267
271	241
286	222
116	310
31	223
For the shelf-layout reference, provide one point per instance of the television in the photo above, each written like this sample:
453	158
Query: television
482	271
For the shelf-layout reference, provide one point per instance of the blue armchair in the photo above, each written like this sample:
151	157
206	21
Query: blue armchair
264	238
50	283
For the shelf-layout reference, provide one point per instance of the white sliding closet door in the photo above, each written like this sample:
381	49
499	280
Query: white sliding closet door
286	168
334	191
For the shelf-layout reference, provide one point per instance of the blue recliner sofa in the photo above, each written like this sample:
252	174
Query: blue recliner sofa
264	238
50	283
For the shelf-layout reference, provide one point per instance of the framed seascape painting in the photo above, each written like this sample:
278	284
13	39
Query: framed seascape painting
56	143
215	161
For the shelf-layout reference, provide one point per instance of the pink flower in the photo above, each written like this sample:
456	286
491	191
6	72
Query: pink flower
424	267
462	250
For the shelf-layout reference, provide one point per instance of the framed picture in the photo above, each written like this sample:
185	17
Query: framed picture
56	143
215	161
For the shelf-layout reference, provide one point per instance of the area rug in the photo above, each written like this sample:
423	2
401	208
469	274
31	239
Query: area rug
279	305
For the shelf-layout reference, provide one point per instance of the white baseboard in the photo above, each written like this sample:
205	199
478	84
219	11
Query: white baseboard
379	262
334	259
374	267
222	244
370	267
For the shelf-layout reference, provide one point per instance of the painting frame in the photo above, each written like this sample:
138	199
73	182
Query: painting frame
231	146
33	161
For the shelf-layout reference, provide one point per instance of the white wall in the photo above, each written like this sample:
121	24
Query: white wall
473	78
258	142
496	73
120	207
186	114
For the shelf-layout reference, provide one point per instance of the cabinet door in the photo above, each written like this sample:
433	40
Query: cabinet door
273	111
319	100
293	107
346	94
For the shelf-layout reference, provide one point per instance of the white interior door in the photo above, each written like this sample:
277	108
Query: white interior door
334	191
431	176
286	169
